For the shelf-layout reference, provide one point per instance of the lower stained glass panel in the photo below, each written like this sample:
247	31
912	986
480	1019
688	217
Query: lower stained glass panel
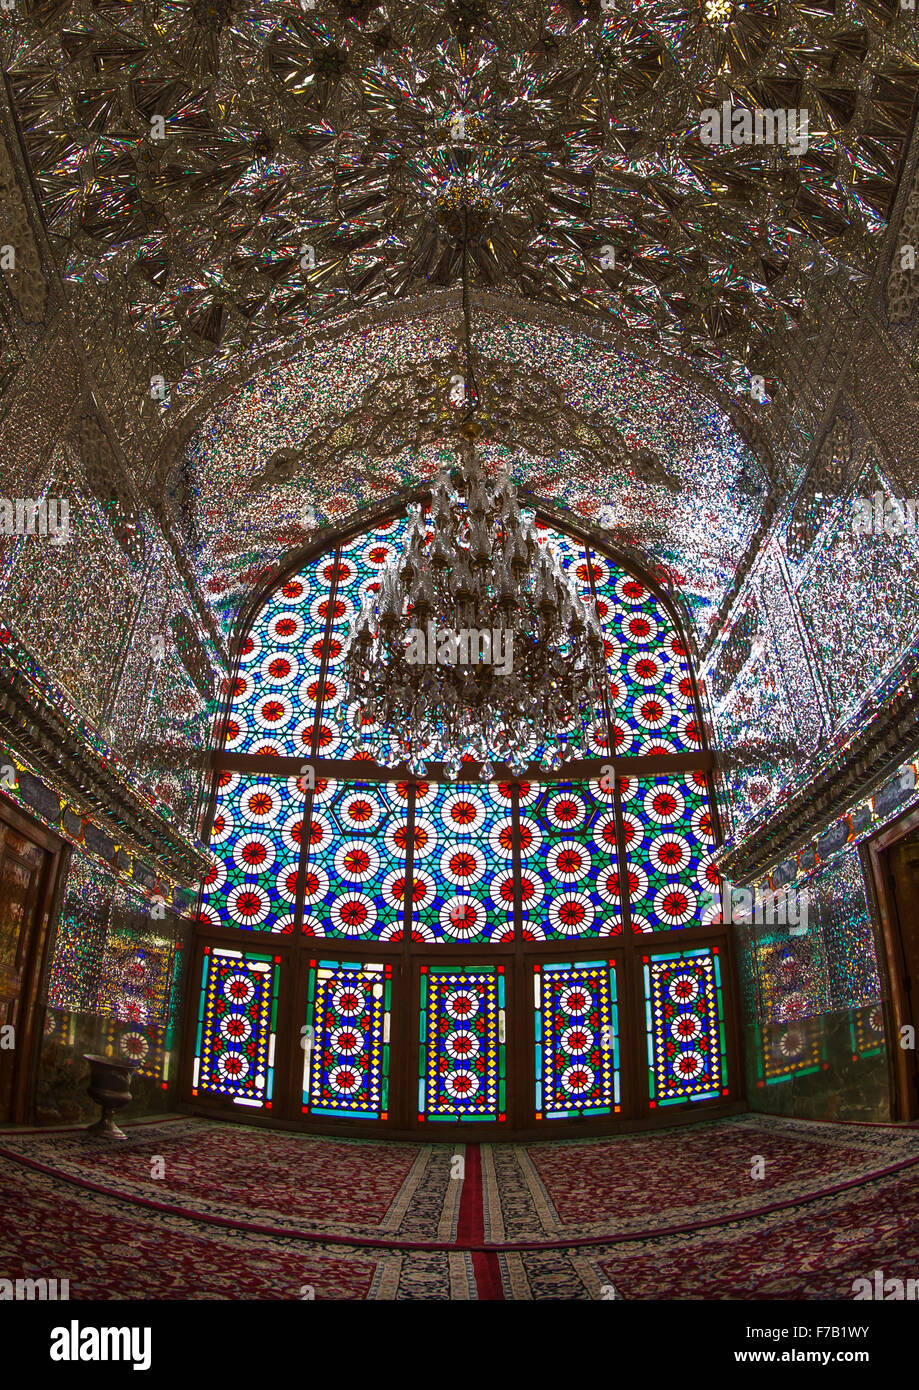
792	988
868	1031
346	1040
237	1021
685	1026
577	1039
791	1049
570	877
147	1046
462	1052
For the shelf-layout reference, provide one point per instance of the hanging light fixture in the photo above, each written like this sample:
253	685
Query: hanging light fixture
475	644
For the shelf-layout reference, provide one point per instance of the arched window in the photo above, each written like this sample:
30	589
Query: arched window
399	950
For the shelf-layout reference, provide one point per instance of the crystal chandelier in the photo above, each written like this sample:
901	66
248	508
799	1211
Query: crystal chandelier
475	644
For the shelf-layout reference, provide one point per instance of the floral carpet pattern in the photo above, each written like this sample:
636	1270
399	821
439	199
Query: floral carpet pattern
817	1251
745	1208
271	1180
684	1177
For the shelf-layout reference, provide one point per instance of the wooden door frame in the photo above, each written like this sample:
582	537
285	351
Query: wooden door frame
875	858
37	969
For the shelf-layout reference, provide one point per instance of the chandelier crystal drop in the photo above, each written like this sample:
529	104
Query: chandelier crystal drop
474	645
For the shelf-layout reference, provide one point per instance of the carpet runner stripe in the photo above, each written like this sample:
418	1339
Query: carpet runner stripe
471	1228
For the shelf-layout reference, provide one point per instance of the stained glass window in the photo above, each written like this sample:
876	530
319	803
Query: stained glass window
463	874
650	685
668	832
333	853
571	841
462	1048
685	1026
284	848
577	1039
256	837
365	557
593	741
346	1040
354	884
650	692
280	659
287	699
237	1024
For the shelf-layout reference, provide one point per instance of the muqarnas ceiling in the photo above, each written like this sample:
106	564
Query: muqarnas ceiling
315	157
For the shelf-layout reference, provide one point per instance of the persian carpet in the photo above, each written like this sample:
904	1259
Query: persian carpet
747	1207
815	1251
674	1179
273	1181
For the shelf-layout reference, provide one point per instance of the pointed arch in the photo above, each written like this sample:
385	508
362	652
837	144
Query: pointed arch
413	888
